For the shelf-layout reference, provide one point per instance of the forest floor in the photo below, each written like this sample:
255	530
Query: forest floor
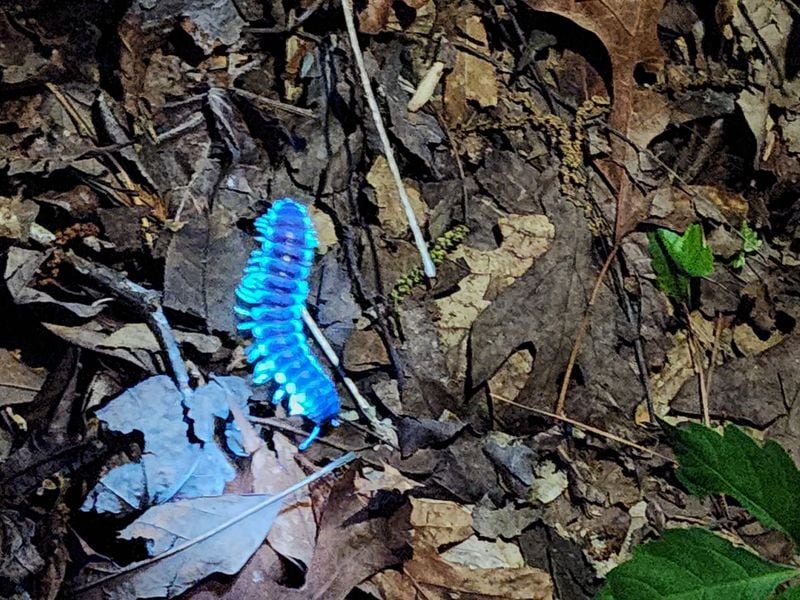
610	198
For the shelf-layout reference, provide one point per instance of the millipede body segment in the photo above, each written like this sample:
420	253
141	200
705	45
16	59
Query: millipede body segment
270	301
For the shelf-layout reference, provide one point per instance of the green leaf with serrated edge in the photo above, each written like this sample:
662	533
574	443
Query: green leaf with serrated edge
669	278
750	241
763	479
689	251
693	564
792	593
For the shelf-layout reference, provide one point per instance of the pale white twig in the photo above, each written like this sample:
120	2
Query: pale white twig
427	263
382	428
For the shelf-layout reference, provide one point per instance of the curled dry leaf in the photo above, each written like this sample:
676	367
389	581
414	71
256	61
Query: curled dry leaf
295	530
439	522
426	87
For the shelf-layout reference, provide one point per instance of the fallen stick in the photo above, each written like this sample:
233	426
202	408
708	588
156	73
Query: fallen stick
419	241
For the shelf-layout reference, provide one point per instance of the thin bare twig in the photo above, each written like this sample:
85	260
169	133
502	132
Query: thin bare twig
695	351
638	347
83	126
381	429
263	100
584	426
273	423
576	346
419	240
147	302
718	325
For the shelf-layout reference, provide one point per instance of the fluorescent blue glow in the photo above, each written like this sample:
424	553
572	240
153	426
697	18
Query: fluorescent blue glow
270	301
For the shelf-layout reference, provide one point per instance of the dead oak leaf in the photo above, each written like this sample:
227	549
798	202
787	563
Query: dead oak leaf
525	237
628	30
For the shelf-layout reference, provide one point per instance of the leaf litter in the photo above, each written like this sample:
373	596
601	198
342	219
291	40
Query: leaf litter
606	195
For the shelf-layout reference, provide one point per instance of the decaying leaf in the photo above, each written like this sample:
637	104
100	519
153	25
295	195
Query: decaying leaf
440	577
472	79
390	210
374	16
17	217
172	466
510	378
524	238
352	543
20	274
749	389
629	34
479	568
19	383
170	525
439	522
549	482
295	530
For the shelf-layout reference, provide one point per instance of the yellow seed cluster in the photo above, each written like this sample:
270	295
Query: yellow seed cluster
569	140
443	245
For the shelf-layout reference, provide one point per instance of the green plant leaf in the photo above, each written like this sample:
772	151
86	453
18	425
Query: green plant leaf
689	251
792	593
763	479
669	278
750	241
693	564
678	258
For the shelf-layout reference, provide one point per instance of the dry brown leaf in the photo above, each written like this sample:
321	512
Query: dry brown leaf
374	16
525	237
364	350
472	78
440	578
749	344
426	86
296	50
436	523
416	3
628	30
353	542
424	19
294	531
483	554
511	377
390	210
477	568
678	367
326	230
668	381
17	216
390	585
19	383
387	479
732	205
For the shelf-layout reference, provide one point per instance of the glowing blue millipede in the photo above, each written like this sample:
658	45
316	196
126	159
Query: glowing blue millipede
270	302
